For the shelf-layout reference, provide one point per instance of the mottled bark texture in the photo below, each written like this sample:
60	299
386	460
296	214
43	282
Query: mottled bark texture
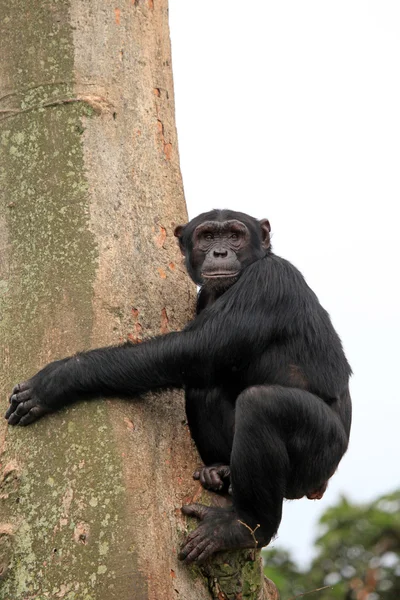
90	192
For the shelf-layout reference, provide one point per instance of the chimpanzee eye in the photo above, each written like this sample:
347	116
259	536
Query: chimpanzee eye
234	236
208	236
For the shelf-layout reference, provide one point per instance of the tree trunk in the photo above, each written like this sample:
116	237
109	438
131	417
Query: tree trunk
90	193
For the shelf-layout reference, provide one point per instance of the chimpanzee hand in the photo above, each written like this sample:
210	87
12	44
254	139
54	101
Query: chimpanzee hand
32	399
215	477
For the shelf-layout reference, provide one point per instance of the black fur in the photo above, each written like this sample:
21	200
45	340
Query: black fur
265	378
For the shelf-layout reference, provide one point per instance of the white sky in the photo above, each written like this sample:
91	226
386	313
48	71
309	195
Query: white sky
290	111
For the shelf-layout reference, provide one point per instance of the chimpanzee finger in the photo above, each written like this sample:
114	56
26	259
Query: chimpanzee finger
9	410
20	387
207	474
35	413
206	553
22	410
194	537
209	479
13	405
186	548
224	471
19	411
216	481
196	475
199	511
21	396
13	419
192	540
192	554
202	478
24	407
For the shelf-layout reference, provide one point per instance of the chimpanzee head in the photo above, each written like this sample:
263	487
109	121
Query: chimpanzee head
219	244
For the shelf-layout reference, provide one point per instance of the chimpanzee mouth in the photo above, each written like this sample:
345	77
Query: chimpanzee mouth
220	275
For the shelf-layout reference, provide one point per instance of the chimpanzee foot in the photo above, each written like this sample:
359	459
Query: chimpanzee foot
318	493
220	529
215	478
24	407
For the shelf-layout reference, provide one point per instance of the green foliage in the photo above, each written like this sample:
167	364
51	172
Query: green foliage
358	555
281	569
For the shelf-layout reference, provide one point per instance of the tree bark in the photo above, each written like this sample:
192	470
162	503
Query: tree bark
90	191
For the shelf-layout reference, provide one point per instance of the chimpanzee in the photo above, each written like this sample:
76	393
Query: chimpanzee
264	373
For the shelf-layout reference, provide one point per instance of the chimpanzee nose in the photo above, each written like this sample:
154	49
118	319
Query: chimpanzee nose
219	253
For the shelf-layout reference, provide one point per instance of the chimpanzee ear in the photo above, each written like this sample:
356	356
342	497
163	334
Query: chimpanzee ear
178	232
265	231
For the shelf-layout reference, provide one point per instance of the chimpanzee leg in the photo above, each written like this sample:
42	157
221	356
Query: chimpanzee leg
287	443
211	418
260	463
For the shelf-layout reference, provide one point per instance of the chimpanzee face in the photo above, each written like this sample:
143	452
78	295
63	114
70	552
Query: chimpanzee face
218	250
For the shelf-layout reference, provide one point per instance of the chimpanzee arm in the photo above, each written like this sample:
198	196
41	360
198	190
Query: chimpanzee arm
165	361
171	360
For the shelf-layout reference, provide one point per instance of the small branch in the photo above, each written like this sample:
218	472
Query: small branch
98	103
252	531
326	587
